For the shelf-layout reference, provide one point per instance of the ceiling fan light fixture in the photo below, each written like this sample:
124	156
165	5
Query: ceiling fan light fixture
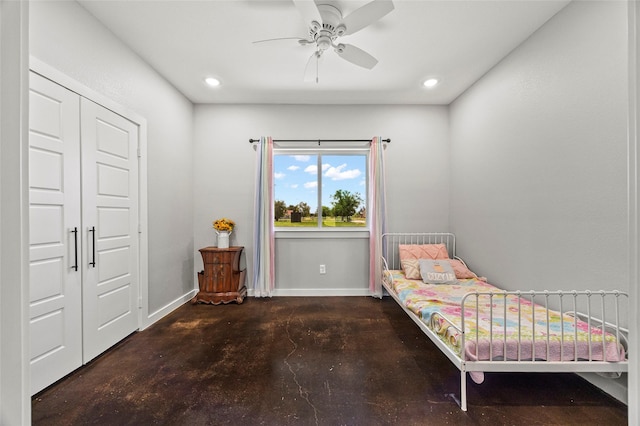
323	42
430	82
212	82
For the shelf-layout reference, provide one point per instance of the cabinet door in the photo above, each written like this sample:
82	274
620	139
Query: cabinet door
221	278
110	221
55	293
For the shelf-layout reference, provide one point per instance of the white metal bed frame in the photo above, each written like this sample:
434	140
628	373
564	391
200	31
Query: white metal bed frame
391	261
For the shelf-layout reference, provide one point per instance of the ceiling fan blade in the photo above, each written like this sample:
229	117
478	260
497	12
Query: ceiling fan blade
366	15
301	40
309	11
356	56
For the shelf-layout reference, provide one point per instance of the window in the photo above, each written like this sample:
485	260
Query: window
320	188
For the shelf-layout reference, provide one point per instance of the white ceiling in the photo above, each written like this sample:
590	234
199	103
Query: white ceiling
456	41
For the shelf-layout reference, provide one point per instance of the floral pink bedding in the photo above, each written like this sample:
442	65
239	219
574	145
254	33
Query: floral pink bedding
490	335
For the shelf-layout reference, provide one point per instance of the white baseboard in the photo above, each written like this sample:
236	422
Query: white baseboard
313	292
167	309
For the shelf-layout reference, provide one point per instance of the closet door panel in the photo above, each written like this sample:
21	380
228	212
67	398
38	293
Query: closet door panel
110	217
54	212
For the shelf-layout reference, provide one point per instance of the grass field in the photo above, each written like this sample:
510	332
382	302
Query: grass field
330	222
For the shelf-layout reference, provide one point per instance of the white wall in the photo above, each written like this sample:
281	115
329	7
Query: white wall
224	164
66	37
539	157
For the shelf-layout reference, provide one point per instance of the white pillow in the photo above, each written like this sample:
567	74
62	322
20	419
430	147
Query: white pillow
437	271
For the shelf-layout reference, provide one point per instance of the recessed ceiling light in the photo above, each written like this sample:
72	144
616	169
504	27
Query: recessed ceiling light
430	82
212	81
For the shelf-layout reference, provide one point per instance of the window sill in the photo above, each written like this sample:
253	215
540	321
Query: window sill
321	233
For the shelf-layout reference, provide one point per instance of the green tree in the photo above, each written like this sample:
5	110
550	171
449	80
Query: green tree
345	204
280	209
326	211
303	208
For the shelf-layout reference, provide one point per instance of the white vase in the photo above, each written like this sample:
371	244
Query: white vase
223	239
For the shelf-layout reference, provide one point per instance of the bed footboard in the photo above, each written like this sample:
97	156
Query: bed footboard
545	326
542	331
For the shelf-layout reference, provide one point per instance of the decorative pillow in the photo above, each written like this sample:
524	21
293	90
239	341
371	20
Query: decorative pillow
422	251
437	271
461	270
411	268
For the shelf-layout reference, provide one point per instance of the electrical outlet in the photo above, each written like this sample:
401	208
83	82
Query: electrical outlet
323	269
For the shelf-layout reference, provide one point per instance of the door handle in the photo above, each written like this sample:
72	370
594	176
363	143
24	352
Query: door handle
75	243
93	245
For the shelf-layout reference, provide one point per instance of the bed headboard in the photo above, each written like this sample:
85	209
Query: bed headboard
391	240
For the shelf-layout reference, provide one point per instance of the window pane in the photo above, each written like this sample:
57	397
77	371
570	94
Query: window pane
344	189
340	179
295	179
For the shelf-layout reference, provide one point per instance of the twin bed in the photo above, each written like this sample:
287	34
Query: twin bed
481	328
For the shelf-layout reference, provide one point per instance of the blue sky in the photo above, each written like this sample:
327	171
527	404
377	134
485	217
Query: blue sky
295	177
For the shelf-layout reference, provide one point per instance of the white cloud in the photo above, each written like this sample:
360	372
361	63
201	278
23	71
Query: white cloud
338	173
313	169
278	175
326	166
312	184
293	168
302	158
294	186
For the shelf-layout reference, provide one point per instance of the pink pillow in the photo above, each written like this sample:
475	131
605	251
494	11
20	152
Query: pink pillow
422	251
411	268
461	270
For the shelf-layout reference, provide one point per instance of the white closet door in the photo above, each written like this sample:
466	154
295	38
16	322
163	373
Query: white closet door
110	221
54	212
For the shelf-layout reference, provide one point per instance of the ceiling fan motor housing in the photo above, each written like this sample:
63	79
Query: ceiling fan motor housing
325	34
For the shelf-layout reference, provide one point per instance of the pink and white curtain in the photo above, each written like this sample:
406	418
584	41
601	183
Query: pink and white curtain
376	214
263	234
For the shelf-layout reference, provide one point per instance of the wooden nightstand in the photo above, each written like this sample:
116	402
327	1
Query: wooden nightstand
222	281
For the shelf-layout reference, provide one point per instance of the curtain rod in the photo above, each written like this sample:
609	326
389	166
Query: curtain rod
320	140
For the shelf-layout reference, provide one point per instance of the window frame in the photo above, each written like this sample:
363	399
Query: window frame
319	152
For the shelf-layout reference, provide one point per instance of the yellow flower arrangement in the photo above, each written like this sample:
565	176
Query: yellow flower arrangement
224	224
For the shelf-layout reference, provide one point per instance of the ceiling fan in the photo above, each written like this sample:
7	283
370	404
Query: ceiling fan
326	24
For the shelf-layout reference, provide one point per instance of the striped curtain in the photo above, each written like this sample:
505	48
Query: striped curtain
263	241
376	215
